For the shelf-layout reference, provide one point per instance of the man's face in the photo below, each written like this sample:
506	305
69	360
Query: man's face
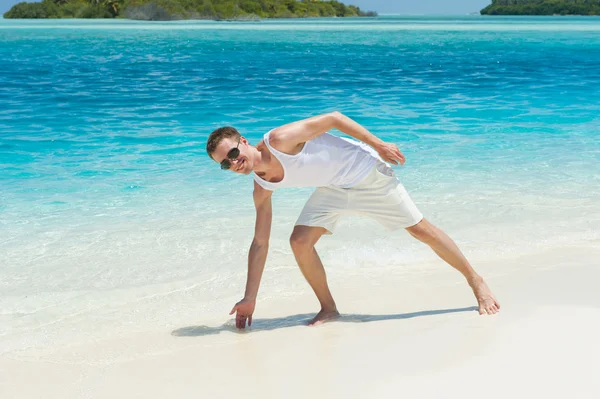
242	163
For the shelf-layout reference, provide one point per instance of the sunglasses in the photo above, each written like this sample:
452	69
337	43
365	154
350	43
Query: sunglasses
231	155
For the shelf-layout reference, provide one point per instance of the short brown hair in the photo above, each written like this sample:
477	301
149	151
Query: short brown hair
218	135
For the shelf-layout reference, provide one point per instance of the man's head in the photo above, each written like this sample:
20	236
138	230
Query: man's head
227	147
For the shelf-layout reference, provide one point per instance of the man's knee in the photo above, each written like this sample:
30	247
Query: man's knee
423	231
304	238
300	241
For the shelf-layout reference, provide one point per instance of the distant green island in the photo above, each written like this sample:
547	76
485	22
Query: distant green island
542	7
166	10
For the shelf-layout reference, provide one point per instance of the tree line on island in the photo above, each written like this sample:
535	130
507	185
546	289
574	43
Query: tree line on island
542	7
164	10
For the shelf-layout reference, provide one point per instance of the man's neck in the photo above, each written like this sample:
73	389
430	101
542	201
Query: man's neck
262	162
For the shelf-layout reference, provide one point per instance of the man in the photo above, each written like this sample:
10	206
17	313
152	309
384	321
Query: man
349	176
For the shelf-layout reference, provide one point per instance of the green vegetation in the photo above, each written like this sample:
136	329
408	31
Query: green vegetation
543	7
154	10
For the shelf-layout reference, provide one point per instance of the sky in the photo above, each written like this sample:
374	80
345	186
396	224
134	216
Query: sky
436	7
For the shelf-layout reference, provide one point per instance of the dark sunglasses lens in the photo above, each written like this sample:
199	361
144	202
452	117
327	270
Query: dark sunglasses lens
233	153
225	165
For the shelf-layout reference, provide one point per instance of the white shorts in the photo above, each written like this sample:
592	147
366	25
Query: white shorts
379	195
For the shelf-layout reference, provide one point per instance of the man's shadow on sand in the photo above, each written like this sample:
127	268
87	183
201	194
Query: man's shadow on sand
302	319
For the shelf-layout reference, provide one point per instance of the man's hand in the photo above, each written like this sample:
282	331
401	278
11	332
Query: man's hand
244	309
390	153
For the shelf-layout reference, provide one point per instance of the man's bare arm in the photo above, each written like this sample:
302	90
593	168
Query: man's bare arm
256	257
260	244
289	137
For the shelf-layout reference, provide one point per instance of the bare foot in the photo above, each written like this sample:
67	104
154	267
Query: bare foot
487	302
324	316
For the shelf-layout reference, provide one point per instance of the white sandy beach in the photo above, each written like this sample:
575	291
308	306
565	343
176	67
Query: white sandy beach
405	336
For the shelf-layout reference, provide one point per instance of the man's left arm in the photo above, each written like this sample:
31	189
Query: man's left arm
288	137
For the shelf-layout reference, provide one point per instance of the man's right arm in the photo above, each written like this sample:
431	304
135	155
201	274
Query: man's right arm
260	244
257	256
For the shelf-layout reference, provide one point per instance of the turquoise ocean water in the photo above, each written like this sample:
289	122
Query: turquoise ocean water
113	219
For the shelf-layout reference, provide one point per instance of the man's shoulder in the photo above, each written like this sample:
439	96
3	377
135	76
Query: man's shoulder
276	138
273	135
260	193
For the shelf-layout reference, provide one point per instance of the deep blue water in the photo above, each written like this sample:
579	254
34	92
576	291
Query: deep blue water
121	106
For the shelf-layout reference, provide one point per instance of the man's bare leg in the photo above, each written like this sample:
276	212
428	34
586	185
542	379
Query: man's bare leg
449	252
303	242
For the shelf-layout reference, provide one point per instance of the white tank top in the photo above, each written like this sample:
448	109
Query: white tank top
326	160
